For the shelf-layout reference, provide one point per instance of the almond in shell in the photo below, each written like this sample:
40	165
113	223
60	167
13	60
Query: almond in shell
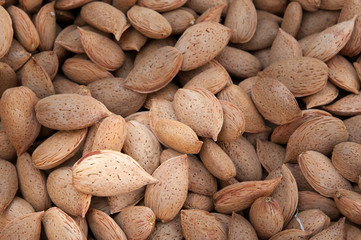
70	4
166	93
335	231
346	106
321	174
198	201
64	195
292	18
179	19
160	109
292	234
109	173
45	23
275	7
234	123
302	184
240	228
167	196
7	77
323	97
348	202
137	221
270	154
16	56
123	200
7	32
212	14
71	40
132	40
7	151
353	126
172	230
9	182
201	6
163	5
346	157
49	61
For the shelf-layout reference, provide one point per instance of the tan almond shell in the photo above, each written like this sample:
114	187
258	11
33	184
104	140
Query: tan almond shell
45	23
291	234
282	133
234	123
49	61
8	77
166	198
119	202
105	17
64	85
270	154
24	29
149	22
27	226
125	69
58	224
353	126
179	20
9	179
17	208
160	108
346	157
6	33
310	5
263	57
319	134
285	46
262	14
103	226
199	109
200	180
352	232
64	195
97	47
100	203
236	95
348	202
118	99
329	42
70	4
163	5
71	40
321	174
240	196
216	160
23	129
166	93
16	56
7	150
141	144
276	7
323	97
61	52
296	71
302	184
71	111
171	230
335	231
244	157
82	223
346	106
275	101
132	40
136	221
332	5
58	148
240	228
312	200
155	71
210	39
110	134
313	221
247	84
34	76
238	63
198	201
212	14
32	183
241	17
262	210
292	18
109	173
286	193
199	224
200	6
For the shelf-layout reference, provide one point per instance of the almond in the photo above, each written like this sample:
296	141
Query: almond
137	221
100	203
166	93
70	4
132	40
71	111
310	5
179	20
294	72
105	18
24	29
347	161
320	134
71	40
21	129
64	195
198	201
30	6
353	126
45	24
199	109
302	184
237	96
160	109
7	77
141	144
245	159
212	14
332	4
240	196
201	6
263	57
323	97
125	69
276	7
7	151
292	18
270	154
167	196
335	231
119	202
58	224
321	174
233	122
201	43
313	221
240	228
154	71
16	56
171	230
311	200
49	61
348	202
64	85
9	182
7	32
118	99
328	43
199	224
296	234
242	19
27	226
109	173
352	232
262	209
163	5
32	183
346	106
226	221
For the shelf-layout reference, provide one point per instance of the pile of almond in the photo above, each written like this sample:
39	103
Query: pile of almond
180	119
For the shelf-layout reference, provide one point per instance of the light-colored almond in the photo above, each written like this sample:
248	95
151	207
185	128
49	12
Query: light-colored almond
171	230
321	174
292	234
49	61
7	77
70	4
18	117
292	18
240	228
7	32
109	173
240	196
179	20
346	106
270	154
9	182
212	14
353	126
309	5
323	97
45	24
16	56
276	7
137	221
335	231
346	157
233	122
284	47
132	40
348	202
163	5
123	200
166	93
